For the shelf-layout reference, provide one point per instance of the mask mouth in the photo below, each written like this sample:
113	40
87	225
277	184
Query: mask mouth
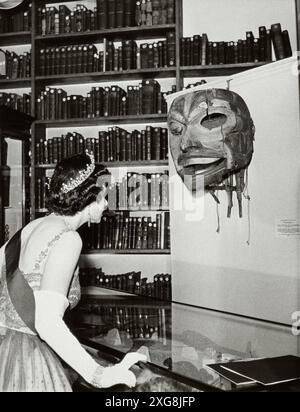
199	159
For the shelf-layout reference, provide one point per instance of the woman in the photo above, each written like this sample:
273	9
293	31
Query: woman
39	281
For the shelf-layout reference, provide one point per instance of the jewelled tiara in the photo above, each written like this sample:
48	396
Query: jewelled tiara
82	176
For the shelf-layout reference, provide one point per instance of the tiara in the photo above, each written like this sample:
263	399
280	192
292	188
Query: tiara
82	176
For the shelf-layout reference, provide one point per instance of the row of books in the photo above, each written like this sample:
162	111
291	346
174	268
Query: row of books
123	323
123	232
108	14
131	282
16	22
147	98
115	145
198	50
15	66
130	56
154	12
87	59
148	191
70	59
16	102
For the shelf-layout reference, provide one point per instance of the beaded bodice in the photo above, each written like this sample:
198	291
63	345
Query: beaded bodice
9	317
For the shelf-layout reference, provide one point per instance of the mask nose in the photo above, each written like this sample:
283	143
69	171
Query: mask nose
185	142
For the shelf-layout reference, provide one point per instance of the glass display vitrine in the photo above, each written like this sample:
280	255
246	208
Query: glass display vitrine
14	171
180	341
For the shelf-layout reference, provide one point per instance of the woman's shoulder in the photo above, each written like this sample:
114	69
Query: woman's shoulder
49	232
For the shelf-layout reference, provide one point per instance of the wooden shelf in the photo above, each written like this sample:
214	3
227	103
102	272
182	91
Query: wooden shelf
121	210
17	38
97	36
15	83
137	163
218	69
141	119
93	295
127	252
80	78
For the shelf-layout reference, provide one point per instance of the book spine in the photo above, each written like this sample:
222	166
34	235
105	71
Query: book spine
277	39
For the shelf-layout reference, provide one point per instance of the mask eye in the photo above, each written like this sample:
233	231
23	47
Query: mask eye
176	128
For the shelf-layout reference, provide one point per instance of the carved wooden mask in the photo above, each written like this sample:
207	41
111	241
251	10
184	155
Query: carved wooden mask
211	135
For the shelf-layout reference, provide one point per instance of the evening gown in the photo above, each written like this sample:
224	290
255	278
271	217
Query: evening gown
27	364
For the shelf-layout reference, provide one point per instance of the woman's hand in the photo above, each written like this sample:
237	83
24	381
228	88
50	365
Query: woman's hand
119	373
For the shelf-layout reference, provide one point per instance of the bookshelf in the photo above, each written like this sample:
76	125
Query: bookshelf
37	83
18	38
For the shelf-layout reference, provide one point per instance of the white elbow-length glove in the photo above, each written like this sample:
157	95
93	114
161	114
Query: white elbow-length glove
49	311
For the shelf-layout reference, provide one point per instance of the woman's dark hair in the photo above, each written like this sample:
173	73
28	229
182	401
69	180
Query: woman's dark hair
76	200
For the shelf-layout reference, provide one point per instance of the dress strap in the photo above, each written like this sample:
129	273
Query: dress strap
20	293
44	253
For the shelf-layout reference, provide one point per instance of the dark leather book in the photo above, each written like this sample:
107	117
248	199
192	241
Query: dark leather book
156	146
138	146
215	53
39	21
197	49
156	61
139	234
42	67
143	13
149	95
150	56
111	14
138	14
171	46
256	51
230	56
93	18
268	46
129	16
128	55
287	43
249	45
240	51
160	51
183	58
149	133
221	52
102	14
163	11
188	51
63	12
149	13
155	12
144	55
204	51
262	43
277	40
171	12
167	230
120	13
164	144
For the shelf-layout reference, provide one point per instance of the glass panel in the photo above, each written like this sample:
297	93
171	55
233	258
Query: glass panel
13	187
179	338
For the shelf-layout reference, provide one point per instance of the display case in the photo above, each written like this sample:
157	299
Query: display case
14	171
180	342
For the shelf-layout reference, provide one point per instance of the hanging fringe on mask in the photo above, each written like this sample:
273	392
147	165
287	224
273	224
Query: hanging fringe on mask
218	217
247	197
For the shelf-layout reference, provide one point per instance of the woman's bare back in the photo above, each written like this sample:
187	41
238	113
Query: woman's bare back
35	238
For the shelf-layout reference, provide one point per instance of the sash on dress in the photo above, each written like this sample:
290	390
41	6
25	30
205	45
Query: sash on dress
20	292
